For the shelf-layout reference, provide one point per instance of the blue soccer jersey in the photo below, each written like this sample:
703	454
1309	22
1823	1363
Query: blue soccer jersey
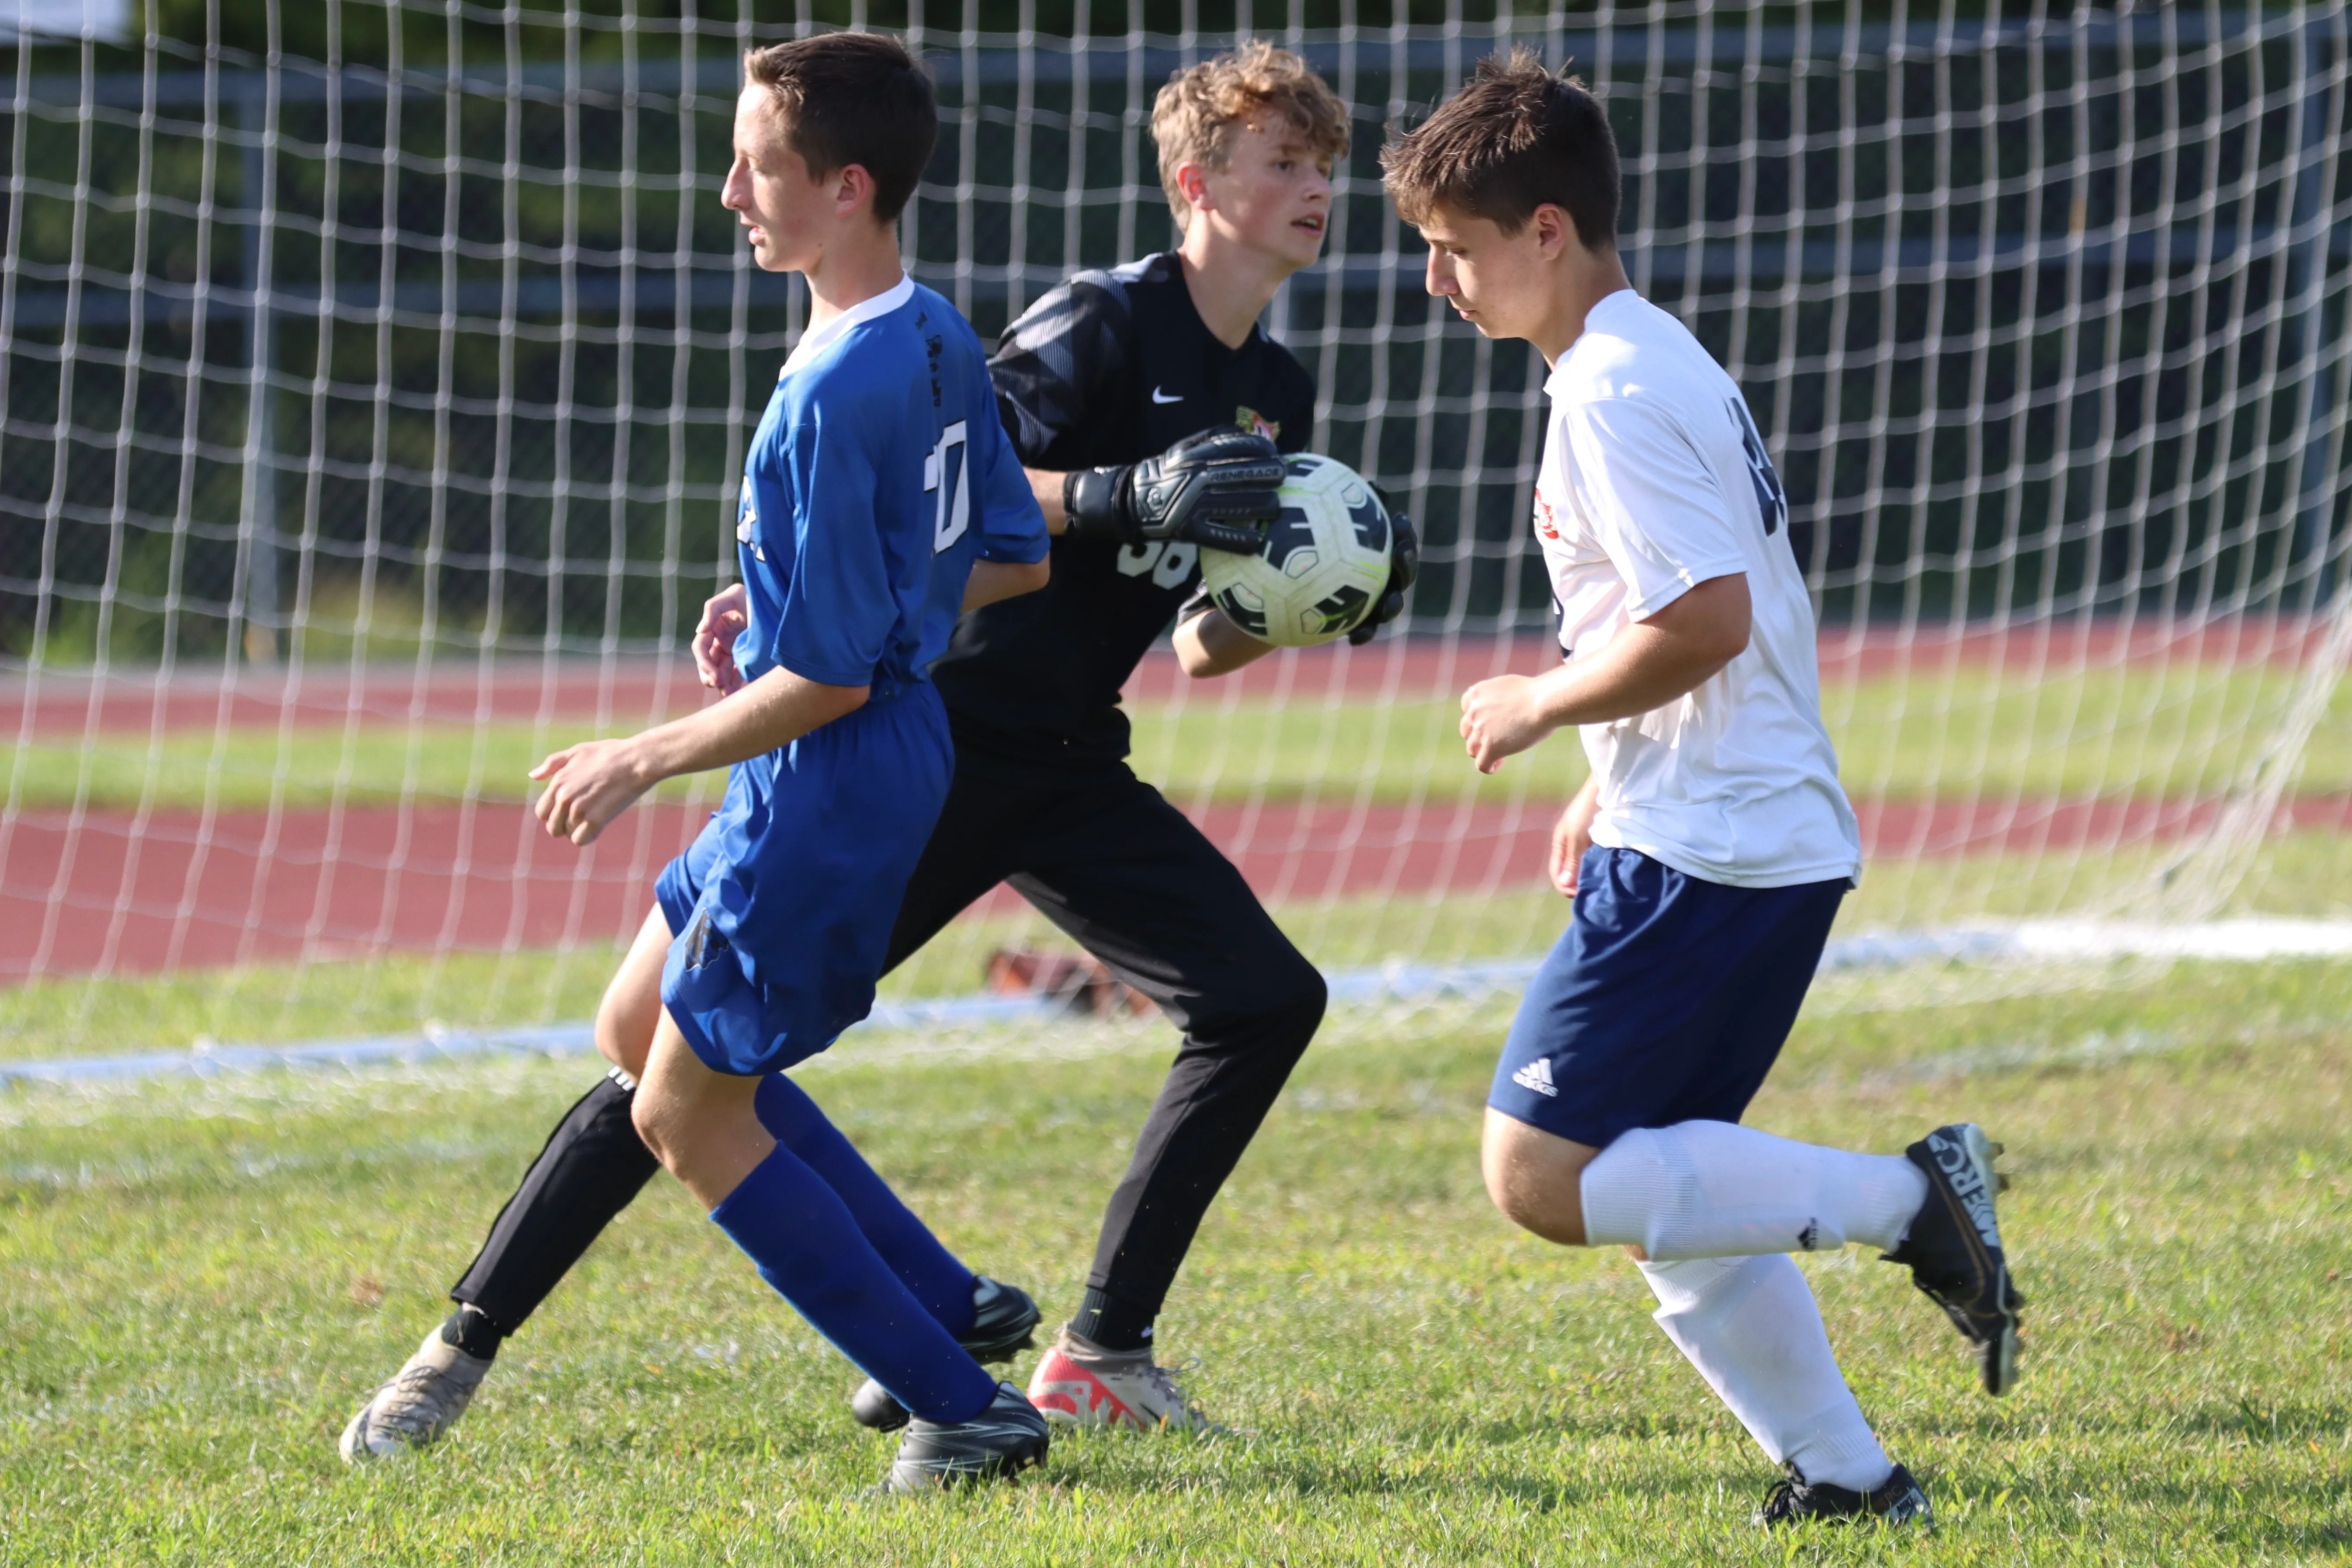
879	475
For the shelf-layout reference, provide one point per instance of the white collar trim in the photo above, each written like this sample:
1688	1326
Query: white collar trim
818	340
1556	383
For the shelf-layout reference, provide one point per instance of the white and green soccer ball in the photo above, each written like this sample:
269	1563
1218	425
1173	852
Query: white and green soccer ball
1323	564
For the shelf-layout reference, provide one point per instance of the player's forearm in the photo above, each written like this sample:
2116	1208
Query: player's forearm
770	712
1046	484
992	580
1635	675
1209	645
1653	662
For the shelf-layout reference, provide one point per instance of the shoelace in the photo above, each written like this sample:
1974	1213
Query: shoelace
1790	1498
1781	1502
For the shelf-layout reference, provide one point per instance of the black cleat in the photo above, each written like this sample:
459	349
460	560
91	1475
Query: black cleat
1003	1319
1002	1440
1954	1249
1794	1500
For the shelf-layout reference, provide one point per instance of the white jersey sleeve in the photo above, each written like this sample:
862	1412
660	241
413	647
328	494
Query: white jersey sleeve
1654	480
1657	513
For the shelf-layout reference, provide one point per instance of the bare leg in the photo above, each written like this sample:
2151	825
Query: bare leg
700	1123
625	1018
1534	1177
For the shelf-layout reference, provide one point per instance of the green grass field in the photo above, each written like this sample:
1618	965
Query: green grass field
198	1281
2168	731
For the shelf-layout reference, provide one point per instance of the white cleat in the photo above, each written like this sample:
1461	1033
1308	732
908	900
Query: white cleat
1080	1383
420	1404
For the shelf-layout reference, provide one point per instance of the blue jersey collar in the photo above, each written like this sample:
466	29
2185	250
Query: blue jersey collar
816	341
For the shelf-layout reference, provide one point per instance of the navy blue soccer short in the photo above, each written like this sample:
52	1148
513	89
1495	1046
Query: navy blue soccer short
1666	1000
781	910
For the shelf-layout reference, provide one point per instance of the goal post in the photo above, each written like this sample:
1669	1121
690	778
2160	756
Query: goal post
375	380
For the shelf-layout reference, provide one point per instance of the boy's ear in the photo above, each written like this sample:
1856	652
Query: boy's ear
1555	231
852	187
1192	183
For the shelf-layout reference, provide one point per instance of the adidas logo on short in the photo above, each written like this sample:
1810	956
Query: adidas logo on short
1537	1075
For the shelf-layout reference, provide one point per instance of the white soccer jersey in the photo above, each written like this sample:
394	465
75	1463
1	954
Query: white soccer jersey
1654	480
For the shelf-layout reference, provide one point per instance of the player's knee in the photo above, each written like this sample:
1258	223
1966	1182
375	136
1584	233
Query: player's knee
659	1120
1285	1005
1548	1211
1532	1179
1266	1011
1300	998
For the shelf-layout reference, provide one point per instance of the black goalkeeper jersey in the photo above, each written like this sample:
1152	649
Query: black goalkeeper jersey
1111	367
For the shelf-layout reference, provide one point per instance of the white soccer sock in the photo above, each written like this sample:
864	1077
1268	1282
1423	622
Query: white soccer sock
1752	1328
1711	1189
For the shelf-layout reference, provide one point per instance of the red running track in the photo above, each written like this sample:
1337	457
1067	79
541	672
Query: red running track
118	894
122	895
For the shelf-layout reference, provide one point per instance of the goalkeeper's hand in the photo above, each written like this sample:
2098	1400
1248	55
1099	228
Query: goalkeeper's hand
1404	565
1215	488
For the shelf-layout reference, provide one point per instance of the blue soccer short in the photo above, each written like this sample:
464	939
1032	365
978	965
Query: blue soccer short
1666	1000
782	908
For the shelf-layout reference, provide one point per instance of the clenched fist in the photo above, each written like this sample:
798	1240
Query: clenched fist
1503	717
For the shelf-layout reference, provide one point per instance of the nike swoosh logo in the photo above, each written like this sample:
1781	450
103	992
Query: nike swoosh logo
1157	397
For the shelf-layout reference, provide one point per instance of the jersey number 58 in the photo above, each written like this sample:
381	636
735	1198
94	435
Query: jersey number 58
943	471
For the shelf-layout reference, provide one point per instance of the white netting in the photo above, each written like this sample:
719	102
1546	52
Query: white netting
374	382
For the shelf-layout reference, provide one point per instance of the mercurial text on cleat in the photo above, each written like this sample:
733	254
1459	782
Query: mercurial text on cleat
1954	1247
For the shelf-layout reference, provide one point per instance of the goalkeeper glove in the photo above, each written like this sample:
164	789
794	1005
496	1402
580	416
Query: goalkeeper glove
1404	565
1215	488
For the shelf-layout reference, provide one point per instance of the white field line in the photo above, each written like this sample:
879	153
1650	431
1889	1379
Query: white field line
2027	941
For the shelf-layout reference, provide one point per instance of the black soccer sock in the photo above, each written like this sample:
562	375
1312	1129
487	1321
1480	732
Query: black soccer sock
593	1165
1112	1324
473	1331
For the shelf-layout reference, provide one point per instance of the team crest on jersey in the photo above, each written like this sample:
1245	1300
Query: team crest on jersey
1252	420
1544	525
747	522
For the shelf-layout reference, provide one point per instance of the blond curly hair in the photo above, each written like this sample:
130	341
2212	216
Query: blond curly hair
1194	117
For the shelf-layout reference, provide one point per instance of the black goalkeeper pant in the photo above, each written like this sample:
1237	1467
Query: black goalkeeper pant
1129	878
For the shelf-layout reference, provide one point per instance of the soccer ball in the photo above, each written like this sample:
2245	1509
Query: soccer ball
1323	564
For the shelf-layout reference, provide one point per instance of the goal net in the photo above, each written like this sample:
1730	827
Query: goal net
375	380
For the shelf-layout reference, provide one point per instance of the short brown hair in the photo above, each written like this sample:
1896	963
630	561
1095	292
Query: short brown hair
1514	138
1193	117
851	98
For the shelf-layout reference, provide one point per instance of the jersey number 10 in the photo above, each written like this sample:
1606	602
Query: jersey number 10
943	471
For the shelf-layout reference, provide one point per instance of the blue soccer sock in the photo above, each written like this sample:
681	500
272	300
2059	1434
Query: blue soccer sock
940	1281
807	1245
